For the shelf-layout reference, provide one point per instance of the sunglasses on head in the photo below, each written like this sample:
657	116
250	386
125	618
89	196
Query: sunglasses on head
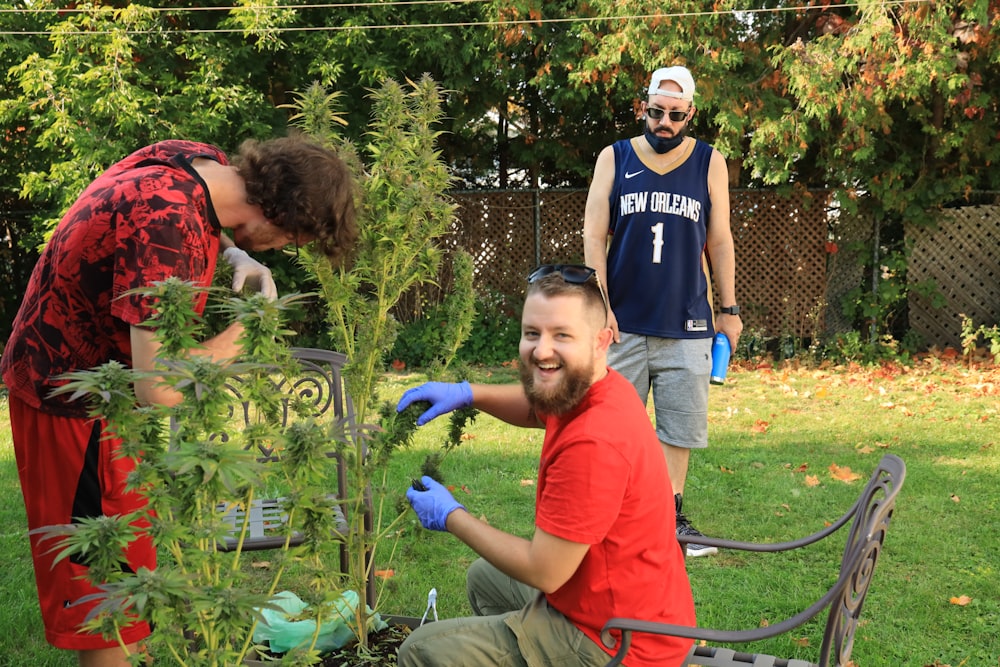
577	274
677	116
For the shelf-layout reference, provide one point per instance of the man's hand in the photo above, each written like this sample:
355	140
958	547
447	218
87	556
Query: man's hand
433	504
443	397
248	271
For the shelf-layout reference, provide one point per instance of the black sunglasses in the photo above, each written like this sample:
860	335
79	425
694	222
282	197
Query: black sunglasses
677	116
577	274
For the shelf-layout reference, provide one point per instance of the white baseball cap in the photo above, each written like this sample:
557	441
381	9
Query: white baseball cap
679	75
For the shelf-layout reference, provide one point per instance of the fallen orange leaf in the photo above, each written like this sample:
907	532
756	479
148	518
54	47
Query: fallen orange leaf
385	574
812	480
961	600
759	426
844	474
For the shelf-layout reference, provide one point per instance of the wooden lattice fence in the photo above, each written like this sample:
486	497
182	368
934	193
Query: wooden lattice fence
781	260
960	254
795	261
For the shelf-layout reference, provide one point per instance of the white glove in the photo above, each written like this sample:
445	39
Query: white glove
247	270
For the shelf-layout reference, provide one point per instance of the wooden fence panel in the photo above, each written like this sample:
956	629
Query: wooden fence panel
961	256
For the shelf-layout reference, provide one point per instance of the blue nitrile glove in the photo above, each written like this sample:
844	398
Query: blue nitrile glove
434	504
443	397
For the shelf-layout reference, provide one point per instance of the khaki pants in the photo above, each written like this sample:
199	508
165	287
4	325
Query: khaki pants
514	627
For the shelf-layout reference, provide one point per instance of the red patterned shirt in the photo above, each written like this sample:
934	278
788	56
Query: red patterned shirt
145	219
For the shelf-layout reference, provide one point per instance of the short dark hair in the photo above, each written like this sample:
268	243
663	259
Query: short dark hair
553	285
302	187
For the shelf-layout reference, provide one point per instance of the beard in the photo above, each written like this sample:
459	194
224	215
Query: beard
561	398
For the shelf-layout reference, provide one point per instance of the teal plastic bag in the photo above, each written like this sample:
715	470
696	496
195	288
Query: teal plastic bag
283	634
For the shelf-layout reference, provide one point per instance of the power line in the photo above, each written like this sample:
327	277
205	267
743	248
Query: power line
450	24
182	10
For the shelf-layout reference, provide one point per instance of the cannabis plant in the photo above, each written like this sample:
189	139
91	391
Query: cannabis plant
195	457
404	214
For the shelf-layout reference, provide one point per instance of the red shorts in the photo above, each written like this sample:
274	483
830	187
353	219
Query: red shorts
67	469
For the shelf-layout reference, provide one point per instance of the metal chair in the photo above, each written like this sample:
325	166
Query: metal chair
869	520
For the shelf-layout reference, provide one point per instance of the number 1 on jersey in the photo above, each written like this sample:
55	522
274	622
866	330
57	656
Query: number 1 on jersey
657	230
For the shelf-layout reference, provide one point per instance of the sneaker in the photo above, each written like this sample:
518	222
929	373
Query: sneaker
684	527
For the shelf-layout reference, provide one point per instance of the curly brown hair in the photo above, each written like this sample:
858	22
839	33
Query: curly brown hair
304	188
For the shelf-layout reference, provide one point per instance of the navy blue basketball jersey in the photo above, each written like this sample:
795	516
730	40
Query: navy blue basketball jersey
658	275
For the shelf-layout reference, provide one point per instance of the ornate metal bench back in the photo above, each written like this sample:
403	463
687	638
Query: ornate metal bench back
873	511
318	385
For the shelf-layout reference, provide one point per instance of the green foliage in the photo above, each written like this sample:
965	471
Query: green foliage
881	306
752	345
457	312
112	79
853	347
396	429
971	334
493	339
403	211
458	421
496	331
891	106
201	603
751	484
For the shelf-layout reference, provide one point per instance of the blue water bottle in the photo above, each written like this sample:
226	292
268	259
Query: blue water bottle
721	350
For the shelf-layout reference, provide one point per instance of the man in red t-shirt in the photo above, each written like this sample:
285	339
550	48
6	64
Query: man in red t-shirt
604	542
158	213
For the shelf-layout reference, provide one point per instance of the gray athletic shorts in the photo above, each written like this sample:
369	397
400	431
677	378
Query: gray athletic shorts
678	372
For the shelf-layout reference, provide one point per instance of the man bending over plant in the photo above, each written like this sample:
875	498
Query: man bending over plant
604	543
159	213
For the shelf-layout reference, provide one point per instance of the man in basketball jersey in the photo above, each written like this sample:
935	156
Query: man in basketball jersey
656	229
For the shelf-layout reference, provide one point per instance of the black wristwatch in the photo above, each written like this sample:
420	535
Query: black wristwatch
730	310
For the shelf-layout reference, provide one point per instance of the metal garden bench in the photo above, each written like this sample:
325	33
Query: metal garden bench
869	520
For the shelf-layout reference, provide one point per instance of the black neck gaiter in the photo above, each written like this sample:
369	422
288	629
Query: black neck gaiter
661	145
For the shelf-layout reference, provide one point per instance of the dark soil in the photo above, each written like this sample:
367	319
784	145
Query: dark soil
381	651
383	646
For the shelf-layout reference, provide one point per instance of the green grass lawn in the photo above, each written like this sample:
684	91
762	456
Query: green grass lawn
766	476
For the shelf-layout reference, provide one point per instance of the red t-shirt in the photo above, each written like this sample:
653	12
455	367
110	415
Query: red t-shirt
145	219
603	481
